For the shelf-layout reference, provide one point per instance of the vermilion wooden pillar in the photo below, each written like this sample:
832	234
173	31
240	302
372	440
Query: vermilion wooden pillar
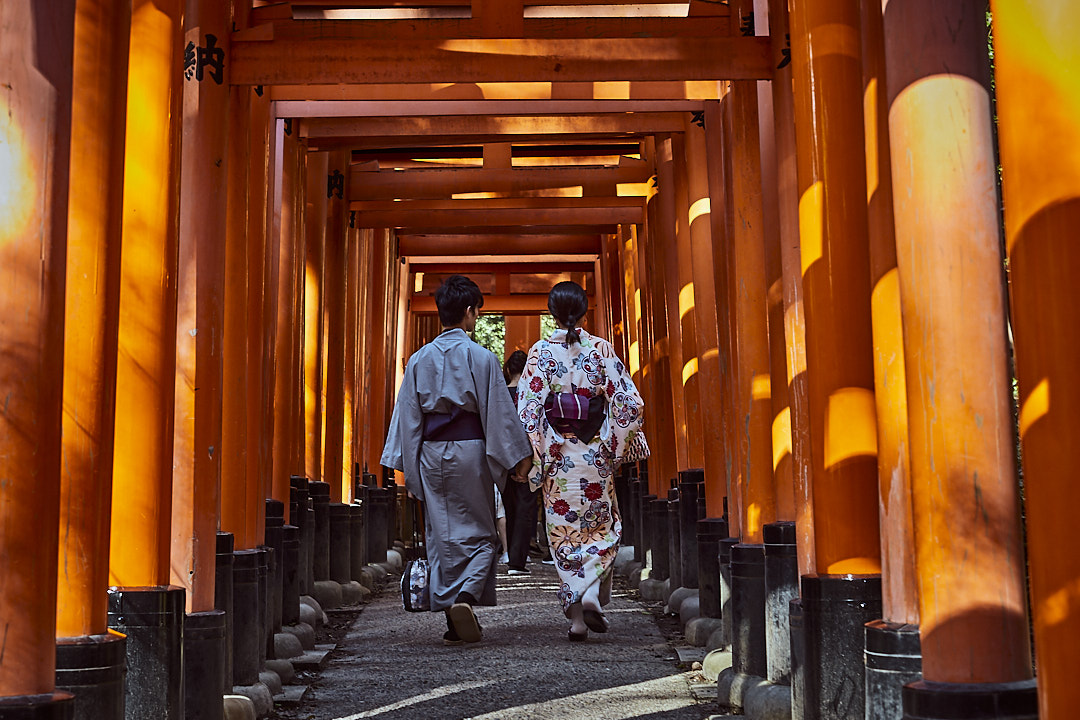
683	262
663	464
36	50
753	415
719	170
145	376
1035	61
200	304
836	284
664	231
376	356
969	555
899	591
698	218
316	307
351	382
284	241
95	205
236	503
260	331
336	193
298	202
794	325
627	259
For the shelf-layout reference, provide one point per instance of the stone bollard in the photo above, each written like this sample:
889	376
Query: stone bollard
246	628
290	575
835	610
340	543
273	536
91	668
320	502
781	587
893	658
223	601
691	497
724	561
748	610
152	618
204	652
356	542
710	532
674	539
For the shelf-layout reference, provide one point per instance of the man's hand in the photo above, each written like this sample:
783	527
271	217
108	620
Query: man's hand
521	470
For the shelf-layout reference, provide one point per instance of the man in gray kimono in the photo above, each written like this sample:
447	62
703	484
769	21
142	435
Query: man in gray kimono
455	434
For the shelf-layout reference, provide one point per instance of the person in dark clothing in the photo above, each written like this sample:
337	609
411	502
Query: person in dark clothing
518	498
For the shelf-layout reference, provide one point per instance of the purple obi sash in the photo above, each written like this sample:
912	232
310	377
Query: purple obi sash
570	413
458	424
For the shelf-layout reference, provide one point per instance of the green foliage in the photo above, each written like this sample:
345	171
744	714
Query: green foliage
547	326
491	334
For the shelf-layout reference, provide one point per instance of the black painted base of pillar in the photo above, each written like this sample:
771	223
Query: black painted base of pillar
674	540
781	587
246	628
798	660
52	706
92	669
152	618
290	582
893	659
975	701
748	610
357	539
724	560
204	660
835	610
340	543
320	502
266	649
710	532
223	600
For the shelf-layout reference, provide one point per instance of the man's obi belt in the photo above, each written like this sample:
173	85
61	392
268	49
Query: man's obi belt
573	414
458	424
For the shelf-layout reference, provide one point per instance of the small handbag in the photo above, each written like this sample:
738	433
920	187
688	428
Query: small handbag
414	586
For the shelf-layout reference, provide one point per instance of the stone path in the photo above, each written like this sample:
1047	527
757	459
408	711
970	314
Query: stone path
392	665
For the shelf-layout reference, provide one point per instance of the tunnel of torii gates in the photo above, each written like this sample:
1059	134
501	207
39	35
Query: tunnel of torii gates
221	224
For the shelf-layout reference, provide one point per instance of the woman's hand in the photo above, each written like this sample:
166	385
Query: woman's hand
521	470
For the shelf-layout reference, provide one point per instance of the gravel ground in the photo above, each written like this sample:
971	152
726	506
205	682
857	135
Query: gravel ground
392	665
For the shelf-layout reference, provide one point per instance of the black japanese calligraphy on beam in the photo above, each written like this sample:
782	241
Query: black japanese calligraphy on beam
335	184
197	58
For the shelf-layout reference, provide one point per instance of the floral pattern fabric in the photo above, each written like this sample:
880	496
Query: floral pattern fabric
583	522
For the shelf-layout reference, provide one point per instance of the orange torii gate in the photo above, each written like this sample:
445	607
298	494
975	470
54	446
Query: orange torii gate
787	216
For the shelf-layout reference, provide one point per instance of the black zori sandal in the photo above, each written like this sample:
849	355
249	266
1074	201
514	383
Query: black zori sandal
577	637
596	621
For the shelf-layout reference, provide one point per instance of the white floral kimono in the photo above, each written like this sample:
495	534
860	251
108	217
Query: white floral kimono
583	522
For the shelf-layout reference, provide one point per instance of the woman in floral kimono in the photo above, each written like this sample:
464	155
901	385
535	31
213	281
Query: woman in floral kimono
583	416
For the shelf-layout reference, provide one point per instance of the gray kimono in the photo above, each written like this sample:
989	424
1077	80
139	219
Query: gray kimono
455	479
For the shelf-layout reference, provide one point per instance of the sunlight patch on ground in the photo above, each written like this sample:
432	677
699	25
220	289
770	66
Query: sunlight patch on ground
433	695
616	703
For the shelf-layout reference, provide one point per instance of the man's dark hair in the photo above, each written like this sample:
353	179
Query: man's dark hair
454	296
515	364
568	303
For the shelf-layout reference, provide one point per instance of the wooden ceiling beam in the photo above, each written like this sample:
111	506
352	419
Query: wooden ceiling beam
442	245
413	30
333	61
522	304
558	91
421	108
523	266
444	183
500	217
511	127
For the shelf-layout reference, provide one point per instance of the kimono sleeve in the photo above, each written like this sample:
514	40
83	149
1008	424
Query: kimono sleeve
403	439
623	432
504	441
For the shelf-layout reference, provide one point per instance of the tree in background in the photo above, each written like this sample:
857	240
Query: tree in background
491	334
